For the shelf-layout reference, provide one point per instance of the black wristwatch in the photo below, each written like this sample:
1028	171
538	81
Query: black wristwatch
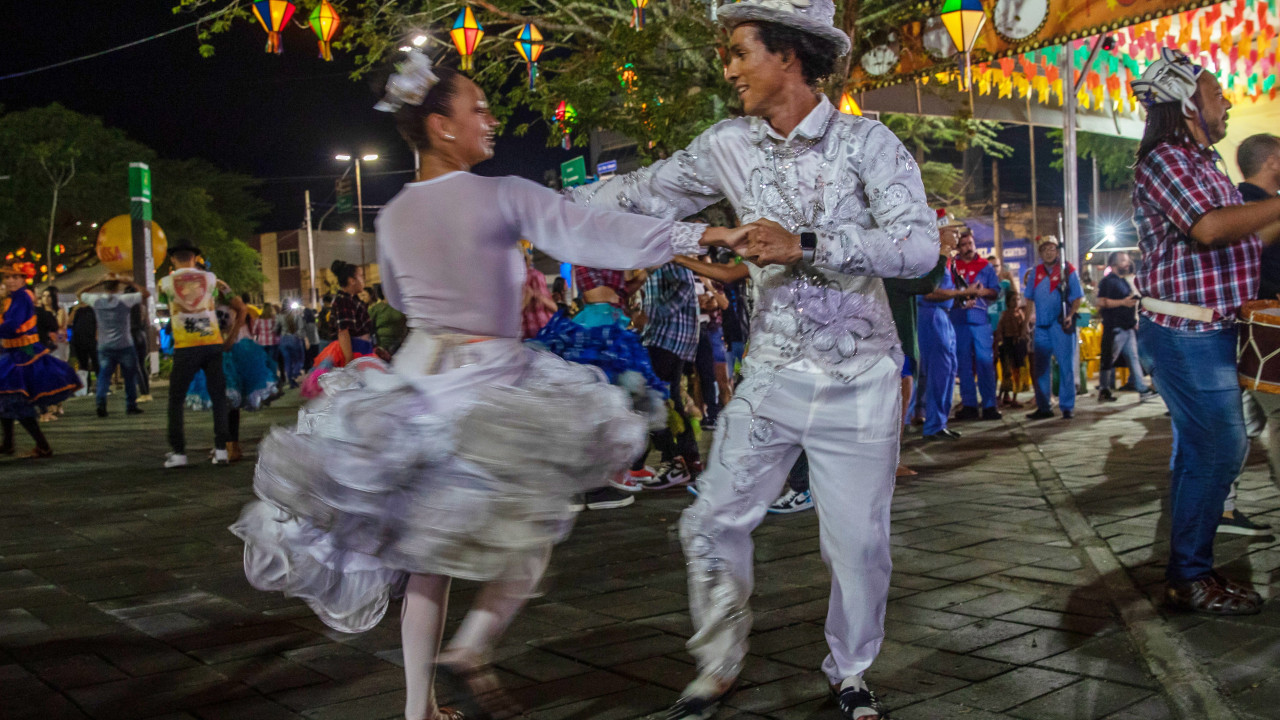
808	244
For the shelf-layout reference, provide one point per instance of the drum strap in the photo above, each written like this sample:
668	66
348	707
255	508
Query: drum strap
1182	310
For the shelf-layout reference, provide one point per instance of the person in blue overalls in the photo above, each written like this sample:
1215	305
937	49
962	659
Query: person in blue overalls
1050	339
938	345
975	348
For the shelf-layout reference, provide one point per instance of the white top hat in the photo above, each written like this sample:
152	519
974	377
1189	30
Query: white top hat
816	17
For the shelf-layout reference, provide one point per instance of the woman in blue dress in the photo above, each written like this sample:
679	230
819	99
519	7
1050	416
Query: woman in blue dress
30	376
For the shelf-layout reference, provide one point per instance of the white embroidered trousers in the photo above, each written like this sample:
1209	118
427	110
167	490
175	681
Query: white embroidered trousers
850	432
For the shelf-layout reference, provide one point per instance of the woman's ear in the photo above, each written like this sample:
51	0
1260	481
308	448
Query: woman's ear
439	127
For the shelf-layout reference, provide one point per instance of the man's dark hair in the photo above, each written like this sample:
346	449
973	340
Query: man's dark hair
1255	151
183	255
817	55
1165	123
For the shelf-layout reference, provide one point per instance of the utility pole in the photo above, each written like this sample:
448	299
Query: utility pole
144	269
360	211
995	210
311	255
1095	205
1035	206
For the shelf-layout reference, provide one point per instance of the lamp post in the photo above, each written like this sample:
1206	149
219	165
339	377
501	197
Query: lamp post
343	157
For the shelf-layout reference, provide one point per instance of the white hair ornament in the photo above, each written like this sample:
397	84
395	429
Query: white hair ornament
409	84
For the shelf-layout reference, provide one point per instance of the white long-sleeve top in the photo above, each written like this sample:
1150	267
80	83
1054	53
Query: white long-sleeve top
847	179
448	253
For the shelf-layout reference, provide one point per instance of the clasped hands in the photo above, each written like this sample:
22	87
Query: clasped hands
763	242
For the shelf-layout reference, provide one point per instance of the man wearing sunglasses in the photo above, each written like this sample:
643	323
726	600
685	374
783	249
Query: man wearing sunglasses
834	203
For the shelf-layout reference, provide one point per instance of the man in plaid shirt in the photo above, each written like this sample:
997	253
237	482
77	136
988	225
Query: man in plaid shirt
1201	262
670	334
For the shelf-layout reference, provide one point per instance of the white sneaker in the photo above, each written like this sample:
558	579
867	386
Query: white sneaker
792	502
220	457
175	460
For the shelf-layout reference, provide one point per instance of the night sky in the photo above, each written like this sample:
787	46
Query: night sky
278	118
269	116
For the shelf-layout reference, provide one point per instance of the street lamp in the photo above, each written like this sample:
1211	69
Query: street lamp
351	230
370	157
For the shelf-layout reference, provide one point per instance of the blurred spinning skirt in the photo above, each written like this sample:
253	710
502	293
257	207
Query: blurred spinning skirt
460	460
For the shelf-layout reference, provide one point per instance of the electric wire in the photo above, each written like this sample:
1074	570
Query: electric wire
108	51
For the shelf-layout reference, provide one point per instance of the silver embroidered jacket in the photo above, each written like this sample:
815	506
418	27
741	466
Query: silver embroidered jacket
849	180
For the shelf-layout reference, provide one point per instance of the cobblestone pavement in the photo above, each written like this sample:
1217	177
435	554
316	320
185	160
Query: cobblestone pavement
1023	556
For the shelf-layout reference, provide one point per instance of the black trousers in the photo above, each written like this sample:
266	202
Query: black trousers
186	362
705	366
670	369
144	365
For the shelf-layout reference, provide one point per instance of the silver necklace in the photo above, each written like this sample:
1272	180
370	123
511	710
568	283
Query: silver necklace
790	153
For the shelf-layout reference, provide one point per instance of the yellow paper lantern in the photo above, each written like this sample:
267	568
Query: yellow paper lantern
849	106
115	244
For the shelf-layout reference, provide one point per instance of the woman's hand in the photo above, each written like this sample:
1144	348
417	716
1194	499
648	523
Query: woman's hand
733	238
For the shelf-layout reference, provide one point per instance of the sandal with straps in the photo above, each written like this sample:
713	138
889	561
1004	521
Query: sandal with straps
857	702
480	696
1236	588
1208	595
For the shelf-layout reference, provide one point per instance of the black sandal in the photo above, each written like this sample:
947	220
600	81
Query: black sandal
695	706
478	699
857	702
1210	597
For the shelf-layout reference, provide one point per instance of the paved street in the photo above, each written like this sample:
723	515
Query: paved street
1025	559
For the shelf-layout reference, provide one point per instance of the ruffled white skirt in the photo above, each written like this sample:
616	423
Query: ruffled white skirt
461	460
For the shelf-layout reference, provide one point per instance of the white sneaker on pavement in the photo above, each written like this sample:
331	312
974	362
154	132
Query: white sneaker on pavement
220	457
175	460
792	502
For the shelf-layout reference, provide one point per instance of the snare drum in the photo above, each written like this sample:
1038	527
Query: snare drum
1258	346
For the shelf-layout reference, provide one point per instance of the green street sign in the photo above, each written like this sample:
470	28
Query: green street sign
574	172
140	191
140	181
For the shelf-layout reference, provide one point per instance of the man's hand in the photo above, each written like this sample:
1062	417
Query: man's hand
947	240
768	243
1131	301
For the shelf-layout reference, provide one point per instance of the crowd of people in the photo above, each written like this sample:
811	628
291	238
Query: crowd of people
809	338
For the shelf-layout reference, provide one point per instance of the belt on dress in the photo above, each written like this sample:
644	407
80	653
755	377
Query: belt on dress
1182	310
21	341
443	343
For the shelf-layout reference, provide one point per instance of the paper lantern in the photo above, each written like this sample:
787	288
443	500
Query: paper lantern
849	106
964	20
324	23
530	47
115	244
467	34
566	117
637	13
274	16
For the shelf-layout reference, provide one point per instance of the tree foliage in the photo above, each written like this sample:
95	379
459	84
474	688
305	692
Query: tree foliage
192	198
1116	156
677	91
924	134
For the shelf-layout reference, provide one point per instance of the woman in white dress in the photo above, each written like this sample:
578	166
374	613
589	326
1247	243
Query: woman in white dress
461	459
